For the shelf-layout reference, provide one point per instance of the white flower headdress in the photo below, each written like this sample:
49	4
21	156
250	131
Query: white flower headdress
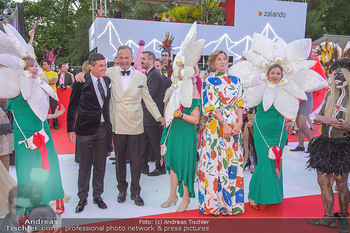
297	79
15	79
181	92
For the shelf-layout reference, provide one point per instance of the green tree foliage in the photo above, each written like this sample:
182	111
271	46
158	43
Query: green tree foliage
64	24
79	43
327	17
146	10
209	12
314	22
337	17
134	9
54	25
185	14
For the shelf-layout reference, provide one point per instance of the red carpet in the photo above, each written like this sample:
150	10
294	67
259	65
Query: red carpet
288	217
294	138
296	207
62	144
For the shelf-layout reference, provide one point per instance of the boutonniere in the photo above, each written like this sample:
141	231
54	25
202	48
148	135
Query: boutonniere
141	86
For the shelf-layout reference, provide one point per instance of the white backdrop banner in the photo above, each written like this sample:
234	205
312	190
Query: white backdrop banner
272	18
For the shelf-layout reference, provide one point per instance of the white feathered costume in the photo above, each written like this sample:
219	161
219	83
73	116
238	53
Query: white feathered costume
297	79
181	91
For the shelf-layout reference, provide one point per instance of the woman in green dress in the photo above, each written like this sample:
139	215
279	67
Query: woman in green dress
266	184
32	167
275	76
180	138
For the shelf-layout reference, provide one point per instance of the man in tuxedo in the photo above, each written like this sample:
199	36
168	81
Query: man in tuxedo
88	111
129	87
152	129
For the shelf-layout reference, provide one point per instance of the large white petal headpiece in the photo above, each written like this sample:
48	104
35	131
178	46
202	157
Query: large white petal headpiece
181	92
297	76
15	80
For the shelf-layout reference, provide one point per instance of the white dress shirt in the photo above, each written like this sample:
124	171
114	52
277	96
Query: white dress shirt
126	78
98	94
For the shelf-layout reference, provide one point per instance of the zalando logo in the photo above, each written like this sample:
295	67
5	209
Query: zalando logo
272	14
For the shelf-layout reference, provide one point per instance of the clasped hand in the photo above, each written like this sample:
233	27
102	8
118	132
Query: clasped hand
228	131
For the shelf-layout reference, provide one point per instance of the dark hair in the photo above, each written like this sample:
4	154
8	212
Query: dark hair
342	63
157	59
166	51
275	66
47	61
61	64
150	55
94	57
125	47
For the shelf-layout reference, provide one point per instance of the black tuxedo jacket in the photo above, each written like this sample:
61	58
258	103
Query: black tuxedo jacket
84	110
166	83
154	84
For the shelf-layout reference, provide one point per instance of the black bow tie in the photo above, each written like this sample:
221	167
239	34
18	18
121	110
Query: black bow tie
125	72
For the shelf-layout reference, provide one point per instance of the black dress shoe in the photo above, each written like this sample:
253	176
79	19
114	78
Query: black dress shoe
157	172
80	207
121	197
56	127
112	158
146	172
298	148
100	203
137	200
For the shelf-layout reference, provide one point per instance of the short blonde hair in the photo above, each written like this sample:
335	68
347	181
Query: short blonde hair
212	58
29	61
85	67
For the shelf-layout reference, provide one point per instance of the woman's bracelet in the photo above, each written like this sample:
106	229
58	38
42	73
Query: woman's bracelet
182	115
222	122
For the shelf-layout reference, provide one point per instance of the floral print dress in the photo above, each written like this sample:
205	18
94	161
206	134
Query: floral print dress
221	160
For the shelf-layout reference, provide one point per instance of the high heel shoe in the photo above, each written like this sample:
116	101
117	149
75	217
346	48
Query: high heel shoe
183	209
253	205
167	204
59	206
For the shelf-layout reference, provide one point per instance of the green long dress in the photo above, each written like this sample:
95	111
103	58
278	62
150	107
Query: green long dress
182	149
27	159
265	187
